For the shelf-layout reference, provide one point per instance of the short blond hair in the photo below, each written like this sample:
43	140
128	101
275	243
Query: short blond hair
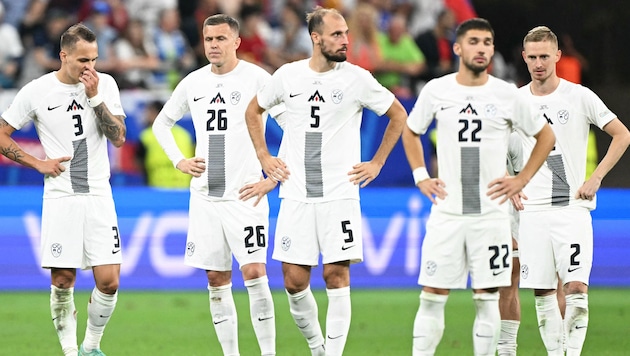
540	34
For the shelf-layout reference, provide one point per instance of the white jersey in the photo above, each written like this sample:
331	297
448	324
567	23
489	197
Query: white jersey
473	128
67	126
217	104
515	154
570	110
322	122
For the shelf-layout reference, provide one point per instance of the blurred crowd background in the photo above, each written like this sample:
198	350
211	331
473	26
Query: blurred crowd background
149	45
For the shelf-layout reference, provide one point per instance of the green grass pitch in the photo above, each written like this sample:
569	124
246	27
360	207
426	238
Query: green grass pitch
178	323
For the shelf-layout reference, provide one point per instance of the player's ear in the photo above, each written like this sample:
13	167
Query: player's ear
457	49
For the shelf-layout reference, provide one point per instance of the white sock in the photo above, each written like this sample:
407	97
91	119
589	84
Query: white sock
99	310
64	317
550	323
428	326
576	322
507	339
338	318
304	310
224	317
487	325
262	314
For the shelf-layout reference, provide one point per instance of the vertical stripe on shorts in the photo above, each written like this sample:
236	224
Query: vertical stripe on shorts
313	165
216	165
559	187
471	201
79	167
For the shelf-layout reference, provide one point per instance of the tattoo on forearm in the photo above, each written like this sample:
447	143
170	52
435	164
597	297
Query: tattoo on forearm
3	123
112	126
12	153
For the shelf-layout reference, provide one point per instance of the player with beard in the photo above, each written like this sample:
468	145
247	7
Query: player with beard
321	171
468	230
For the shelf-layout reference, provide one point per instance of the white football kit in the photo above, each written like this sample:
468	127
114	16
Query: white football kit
467	231
67	126
321	143
556	230
217	104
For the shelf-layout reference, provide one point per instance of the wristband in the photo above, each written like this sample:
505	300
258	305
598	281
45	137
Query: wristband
420	174
95	101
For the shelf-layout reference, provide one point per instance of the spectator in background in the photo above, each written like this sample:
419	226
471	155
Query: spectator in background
424	16
157	167
253	47
46	47
10	52
117	17
363	47
291	41
402	59
98	22
173	50
437	46
137	57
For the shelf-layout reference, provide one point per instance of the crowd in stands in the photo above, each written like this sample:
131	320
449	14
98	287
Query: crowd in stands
152	44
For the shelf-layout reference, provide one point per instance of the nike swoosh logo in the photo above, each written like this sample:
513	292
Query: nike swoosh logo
115	251
219	322
485	336
263	319
291	95
346	247
199	98
53	108
335	337
496	273
104	316
252	251
573	269
303	327
446	107
580	327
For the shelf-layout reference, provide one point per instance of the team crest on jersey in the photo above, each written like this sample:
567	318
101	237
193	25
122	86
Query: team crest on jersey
317	97
286	243
74	106
490	110
563	116
56	249
190	248
431	267
218	99
468	110
235	97
337	96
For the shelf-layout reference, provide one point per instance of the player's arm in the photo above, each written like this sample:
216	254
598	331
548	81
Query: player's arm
272	166
162	126
620	141
430	187
113	126
506	187
365	172
14	152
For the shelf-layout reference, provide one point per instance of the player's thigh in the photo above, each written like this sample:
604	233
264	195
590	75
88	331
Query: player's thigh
62	225
489	253
246	229
339	231
573	244
102	238
535	248
206	245
443	258
296	234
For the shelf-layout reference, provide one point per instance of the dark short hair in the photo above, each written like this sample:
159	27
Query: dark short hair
75	34
220	19
473	24
315	19
155	105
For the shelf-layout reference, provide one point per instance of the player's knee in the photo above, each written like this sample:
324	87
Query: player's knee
219	278
575	287
253	271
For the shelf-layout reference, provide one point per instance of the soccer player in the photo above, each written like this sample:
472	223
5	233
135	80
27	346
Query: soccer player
75	111
321	171
228	212
556	232
468	231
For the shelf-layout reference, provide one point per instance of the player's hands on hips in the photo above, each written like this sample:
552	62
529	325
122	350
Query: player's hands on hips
258	190
52	166
89	78
505	188
588	189
432	188
517	201
194	166
275	168
364	173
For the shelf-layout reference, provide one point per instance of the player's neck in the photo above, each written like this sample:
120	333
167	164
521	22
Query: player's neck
320	64
469	78
226	67
64	78
545	86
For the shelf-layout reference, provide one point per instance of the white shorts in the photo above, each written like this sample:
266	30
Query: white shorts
453	247
80	231
514	220
219	229
559	240
304	230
